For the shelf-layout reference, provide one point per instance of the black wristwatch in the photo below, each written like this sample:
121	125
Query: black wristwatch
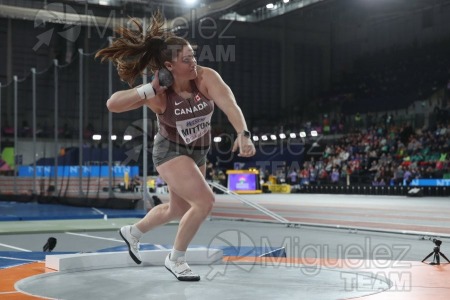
246	133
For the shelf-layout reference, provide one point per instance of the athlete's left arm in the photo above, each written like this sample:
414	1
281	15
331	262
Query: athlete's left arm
223	97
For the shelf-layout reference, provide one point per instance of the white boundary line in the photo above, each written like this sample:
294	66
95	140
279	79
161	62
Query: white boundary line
21	259
98	211
15	248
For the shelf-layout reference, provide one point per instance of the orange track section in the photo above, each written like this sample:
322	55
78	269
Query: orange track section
9	276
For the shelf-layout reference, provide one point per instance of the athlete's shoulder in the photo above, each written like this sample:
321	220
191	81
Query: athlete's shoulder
205	72
207	76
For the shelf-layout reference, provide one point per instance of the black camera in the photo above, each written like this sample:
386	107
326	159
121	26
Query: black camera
437	253
437	242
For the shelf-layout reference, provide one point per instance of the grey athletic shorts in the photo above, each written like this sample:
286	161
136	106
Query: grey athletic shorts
164	150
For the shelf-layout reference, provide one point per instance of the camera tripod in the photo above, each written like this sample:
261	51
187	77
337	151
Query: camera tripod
437	253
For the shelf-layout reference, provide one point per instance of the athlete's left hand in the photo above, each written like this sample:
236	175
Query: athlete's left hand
245	145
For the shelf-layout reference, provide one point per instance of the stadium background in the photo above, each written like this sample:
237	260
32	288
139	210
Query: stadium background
333	67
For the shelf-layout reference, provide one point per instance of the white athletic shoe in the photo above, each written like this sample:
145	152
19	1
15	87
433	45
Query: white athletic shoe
180	269
132	243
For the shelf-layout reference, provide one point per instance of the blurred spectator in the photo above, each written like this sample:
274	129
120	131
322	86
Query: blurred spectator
159	182
209	171
135	183
335	176
394	155
304	176
313	175
293	177
222	178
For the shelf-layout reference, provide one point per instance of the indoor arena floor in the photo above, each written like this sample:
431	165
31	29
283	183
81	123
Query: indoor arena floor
337	247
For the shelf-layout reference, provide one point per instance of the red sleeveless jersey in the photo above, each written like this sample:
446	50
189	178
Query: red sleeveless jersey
187	121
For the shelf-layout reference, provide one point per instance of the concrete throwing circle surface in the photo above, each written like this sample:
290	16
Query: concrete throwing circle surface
232	281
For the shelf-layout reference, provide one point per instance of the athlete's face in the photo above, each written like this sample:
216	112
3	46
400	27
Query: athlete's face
185	65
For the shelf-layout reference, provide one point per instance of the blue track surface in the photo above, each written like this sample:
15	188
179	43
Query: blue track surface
18	211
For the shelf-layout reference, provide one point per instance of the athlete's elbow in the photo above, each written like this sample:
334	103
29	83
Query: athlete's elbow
111	104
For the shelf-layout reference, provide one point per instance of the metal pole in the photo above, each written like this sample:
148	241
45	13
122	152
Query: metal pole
56	108
80	125
110	129
33	76
1	118
9	69
250	203
16	161
146	196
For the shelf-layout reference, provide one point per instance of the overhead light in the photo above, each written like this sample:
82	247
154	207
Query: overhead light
285	1
255	138
113	137
264	138
292	135
270	6
96	137
313	133
103	2
282	136
273	137
302	134
190	2
217	139
127	137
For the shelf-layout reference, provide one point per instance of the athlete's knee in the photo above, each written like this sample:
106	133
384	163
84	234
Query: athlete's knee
179	212
206	204
176	210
